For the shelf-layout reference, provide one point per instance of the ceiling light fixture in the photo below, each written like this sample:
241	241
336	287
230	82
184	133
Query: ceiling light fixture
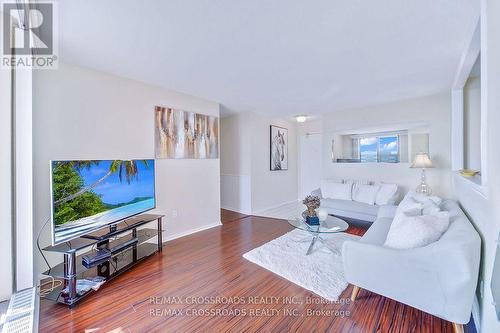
301	119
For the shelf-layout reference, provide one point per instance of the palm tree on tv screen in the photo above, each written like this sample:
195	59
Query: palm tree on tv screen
124	168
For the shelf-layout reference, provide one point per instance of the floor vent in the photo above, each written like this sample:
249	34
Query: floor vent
22	314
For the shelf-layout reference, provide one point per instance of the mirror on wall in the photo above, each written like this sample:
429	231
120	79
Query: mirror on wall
397	145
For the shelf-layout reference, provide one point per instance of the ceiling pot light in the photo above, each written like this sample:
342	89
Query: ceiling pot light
301	119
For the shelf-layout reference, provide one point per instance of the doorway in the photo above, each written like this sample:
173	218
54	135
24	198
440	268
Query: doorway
310	163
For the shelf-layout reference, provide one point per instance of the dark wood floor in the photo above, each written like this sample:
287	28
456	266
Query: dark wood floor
210	264
228	216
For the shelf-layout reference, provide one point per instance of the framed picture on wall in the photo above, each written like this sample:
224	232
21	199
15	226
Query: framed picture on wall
184	134
279	148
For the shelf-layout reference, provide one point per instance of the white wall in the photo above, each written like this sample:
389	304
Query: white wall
484	210
235	157
309	163
472	123
85	114
6	181
248	185
434	110
314	127
310	126
272	188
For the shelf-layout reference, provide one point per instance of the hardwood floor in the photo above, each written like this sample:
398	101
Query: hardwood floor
228	216
210	264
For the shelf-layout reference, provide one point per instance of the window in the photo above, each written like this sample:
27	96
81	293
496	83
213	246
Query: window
388	149
382	149
368	149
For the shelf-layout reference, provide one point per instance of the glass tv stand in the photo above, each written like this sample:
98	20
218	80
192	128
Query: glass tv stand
130	241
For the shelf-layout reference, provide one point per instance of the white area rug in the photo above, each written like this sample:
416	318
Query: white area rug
321	272
283	211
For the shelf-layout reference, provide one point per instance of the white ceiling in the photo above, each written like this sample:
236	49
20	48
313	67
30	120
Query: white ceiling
284	57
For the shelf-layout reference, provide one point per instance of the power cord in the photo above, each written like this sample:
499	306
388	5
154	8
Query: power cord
38	243
53	282
45	291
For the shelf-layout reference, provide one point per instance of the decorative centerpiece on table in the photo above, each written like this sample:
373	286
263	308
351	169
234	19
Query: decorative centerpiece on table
312	203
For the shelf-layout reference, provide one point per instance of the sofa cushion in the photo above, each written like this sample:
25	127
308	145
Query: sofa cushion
334	190
365	193
377	233
387	194
355	183
350	206
387	211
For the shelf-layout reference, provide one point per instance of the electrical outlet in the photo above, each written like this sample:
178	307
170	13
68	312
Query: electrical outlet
174	213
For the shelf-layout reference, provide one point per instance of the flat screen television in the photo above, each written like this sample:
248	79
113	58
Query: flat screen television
87	195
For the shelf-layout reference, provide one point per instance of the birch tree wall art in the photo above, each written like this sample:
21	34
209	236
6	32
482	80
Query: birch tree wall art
185	135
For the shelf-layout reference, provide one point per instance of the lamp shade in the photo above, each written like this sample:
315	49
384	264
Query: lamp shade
422	161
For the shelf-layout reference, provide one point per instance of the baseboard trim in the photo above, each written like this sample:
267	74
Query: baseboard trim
475	314
237	210
167	238
260	211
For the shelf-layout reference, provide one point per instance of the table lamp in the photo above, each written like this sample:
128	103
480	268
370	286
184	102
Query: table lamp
423	162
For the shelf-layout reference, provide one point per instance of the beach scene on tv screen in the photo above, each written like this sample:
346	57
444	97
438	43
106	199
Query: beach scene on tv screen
87	195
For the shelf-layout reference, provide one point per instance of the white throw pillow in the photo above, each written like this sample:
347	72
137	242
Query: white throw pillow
332	190
417	231
355	183
411	207
429	207
334	180
430	204
365	193
424	198
387	194
407	207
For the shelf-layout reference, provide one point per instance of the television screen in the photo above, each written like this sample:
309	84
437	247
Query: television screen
91	194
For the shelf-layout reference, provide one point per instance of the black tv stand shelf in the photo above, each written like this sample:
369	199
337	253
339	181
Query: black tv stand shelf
117	239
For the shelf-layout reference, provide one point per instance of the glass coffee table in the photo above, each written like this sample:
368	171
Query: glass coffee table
331	225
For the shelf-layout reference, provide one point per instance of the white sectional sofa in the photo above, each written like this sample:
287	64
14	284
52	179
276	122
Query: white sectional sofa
355	199
439	278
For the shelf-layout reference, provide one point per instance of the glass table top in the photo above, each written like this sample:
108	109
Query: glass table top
332	224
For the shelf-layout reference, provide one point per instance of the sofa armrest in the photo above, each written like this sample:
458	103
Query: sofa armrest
425	278
387	211
317	192
359	259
